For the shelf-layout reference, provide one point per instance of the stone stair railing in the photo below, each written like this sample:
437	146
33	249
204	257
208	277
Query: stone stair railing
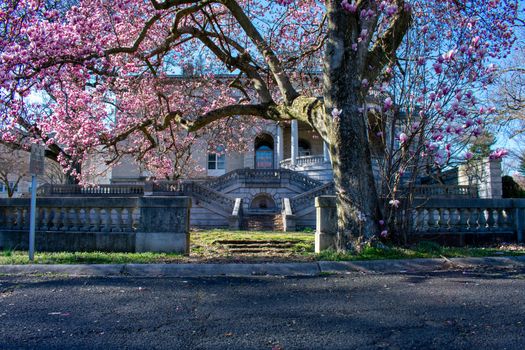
307	199
256	176
193	189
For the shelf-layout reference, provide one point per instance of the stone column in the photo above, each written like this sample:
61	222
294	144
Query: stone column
326	223
295	141
280	147
326	152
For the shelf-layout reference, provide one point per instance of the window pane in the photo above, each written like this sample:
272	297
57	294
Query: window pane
220	164
212	165
211	157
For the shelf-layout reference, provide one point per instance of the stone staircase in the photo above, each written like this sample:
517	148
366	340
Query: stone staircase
258	246
262	222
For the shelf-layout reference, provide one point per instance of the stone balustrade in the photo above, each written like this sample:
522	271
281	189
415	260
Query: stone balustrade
89	224
307	199
276	177
72	214
439	218
478	216
51	190
303	161
444	191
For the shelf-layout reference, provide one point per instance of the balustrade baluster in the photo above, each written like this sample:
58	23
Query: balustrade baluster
56	219
117	222
454	219
27	215
501	217
9	218
65	219
75	219
96	223
464	220
491	221
431	220
85	220
482	220
107	220
19	218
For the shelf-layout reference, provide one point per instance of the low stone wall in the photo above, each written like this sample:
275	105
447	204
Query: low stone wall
120	224
438	219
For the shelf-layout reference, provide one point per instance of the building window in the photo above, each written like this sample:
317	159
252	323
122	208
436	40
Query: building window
216	161
264	151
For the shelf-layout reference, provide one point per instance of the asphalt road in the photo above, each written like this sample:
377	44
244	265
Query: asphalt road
482	309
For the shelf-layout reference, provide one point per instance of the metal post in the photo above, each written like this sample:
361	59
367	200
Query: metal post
32	219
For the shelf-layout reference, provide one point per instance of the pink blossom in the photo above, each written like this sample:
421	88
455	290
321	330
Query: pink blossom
388	104
498	154
394	202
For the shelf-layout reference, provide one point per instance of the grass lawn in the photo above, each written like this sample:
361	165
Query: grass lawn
208	246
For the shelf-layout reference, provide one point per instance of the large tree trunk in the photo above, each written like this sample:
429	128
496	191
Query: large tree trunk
357	202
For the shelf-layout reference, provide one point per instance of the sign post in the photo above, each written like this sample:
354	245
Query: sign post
36	167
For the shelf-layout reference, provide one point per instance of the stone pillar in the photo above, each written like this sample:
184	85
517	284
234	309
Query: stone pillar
491	185
280	147
326	223
294	142
164	224
326	152
485	174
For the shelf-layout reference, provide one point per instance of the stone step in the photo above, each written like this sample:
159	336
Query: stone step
260	246
258	250
256	242
263	222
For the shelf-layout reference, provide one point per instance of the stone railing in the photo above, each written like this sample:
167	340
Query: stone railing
439	218
193	189
302	161
445	191
133	190
263	176
128	224
307	199
72	214
468	216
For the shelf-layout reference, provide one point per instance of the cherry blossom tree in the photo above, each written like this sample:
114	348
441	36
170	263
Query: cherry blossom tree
99	55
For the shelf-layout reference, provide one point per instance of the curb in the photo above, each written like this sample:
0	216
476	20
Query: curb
261	269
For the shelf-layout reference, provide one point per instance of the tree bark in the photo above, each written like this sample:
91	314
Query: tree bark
357	202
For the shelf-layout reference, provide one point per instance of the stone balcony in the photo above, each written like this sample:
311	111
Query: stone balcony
315	166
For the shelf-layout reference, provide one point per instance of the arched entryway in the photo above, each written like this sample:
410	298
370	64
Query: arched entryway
264	147
263	201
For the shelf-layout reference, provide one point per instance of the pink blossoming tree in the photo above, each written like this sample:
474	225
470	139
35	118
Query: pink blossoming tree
105	66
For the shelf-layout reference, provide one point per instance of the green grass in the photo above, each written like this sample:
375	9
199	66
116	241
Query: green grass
421	250
204	247
21	257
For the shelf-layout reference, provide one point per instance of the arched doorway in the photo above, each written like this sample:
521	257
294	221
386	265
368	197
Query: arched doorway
263	201
264	151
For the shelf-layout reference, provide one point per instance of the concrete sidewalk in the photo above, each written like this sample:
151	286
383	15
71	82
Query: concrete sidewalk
265	269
